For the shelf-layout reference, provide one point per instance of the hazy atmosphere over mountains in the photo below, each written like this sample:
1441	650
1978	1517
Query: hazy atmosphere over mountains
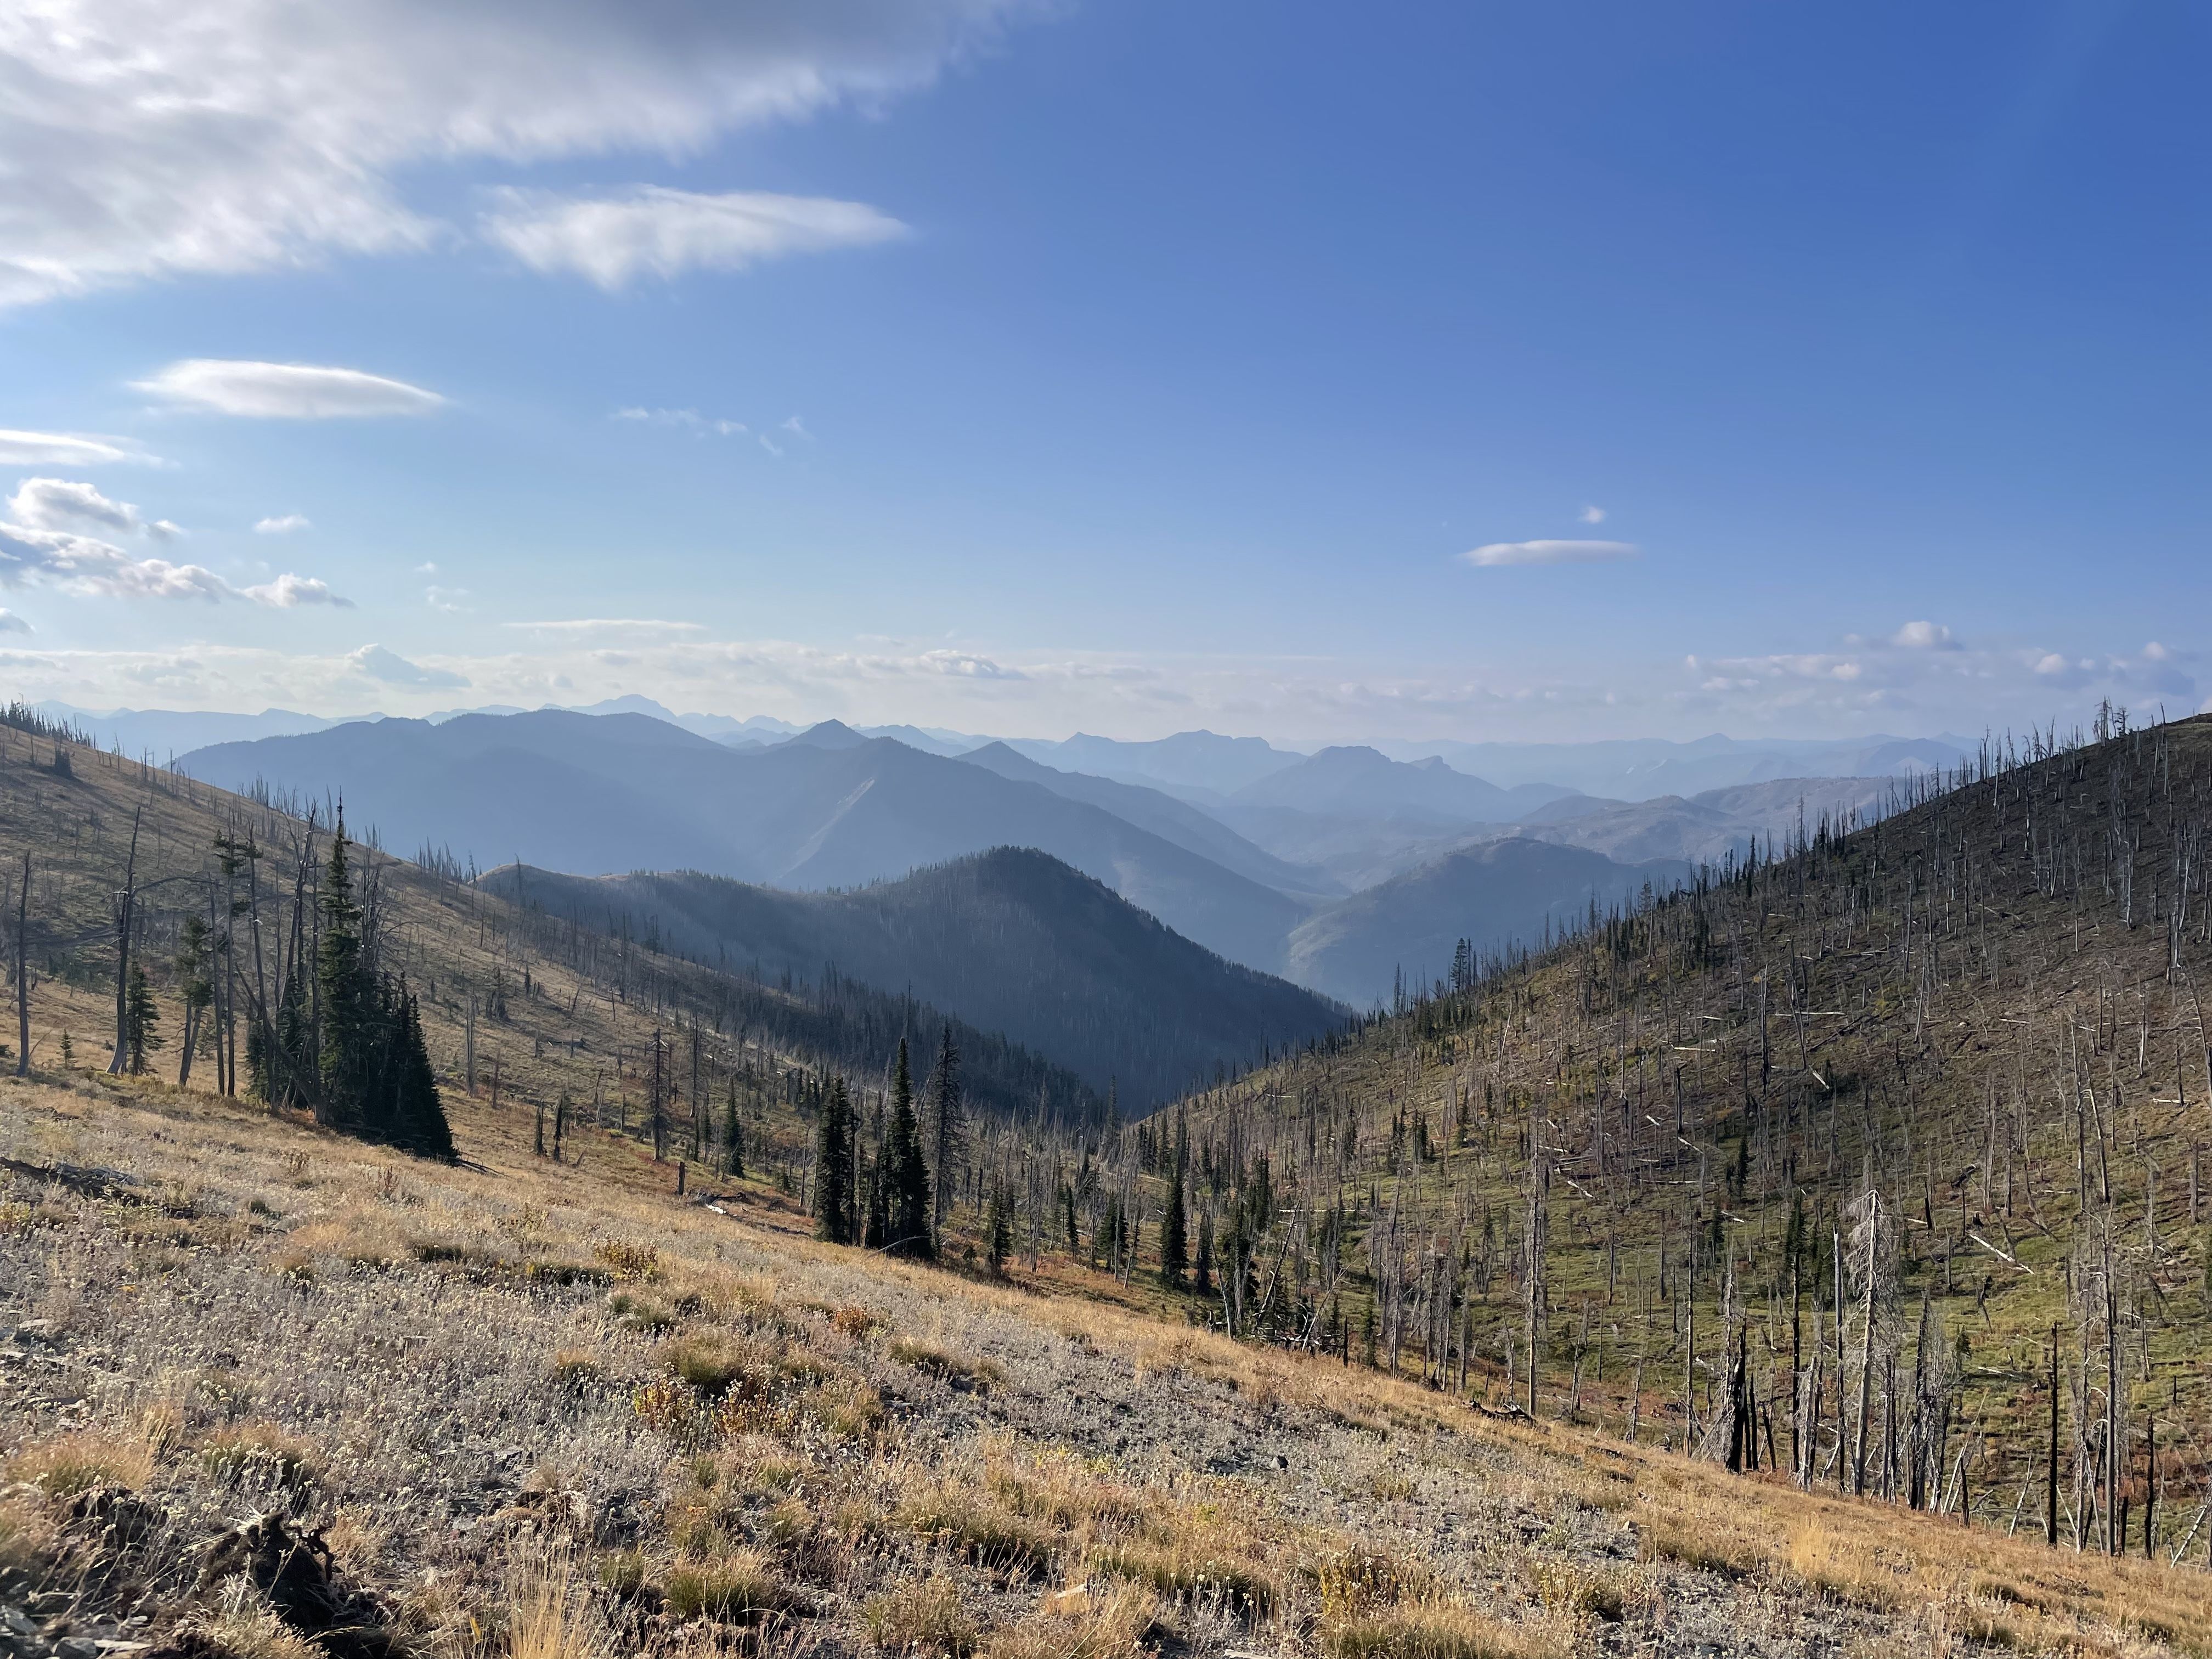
1006	828
1342	870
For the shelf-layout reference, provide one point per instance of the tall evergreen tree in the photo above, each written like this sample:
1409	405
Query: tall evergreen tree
734	1137
141	1015
833	1167
347	1041
354	1052
407	1110
908	1228
947	1129
1175	1228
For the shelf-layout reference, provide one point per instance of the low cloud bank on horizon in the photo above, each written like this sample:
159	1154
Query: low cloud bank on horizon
1903	683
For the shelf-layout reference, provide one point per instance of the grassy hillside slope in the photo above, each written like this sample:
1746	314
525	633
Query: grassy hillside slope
555	1008
1823	1166
548	1413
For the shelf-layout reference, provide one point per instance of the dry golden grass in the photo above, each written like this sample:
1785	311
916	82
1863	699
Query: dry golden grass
547	1616
63	1465
1436	1630
749	1434
924	1618
1082	1621
241	1623
727	1586
260	1454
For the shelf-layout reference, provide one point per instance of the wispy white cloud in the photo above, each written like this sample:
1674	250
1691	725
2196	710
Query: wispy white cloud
449	599
690	420
390	668
66	449
235	136
651	231
1592	514
292	391
287	591
574	627
1551	552
286	524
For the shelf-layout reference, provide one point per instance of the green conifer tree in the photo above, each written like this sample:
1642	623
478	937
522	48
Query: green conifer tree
833	1167
1175	1228
734	1137
909	1231
140	1015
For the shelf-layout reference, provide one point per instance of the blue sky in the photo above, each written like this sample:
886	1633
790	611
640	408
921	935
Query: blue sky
1475	370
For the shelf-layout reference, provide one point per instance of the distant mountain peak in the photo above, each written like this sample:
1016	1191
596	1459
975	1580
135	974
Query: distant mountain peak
830	734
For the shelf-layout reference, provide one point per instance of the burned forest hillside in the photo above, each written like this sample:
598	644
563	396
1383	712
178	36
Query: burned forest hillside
1873	1162
520	1010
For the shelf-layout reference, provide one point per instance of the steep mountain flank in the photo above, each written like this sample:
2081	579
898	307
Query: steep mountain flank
1010	940
1828	1163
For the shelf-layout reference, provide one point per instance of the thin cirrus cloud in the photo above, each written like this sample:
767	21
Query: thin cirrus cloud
688	419
285	391
64	449
236	136
1493	554
650	231
284	524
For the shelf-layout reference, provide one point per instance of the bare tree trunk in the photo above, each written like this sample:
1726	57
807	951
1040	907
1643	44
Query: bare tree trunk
125	907
23	974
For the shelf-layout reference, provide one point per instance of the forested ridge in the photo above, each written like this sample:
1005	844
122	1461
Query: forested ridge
173	926
1018	941
1827	1164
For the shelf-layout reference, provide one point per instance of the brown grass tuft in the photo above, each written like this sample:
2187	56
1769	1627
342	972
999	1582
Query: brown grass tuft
261	1454
66	1464
729	1587
922	1618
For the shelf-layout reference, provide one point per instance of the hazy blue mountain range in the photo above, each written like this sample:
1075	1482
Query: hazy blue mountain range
1704	828
1010	940
611	793
1494	894
1307	867
166	733
1165	816
1640	769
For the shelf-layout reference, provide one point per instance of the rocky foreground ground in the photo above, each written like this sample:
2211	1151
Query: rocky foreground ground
272	1395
